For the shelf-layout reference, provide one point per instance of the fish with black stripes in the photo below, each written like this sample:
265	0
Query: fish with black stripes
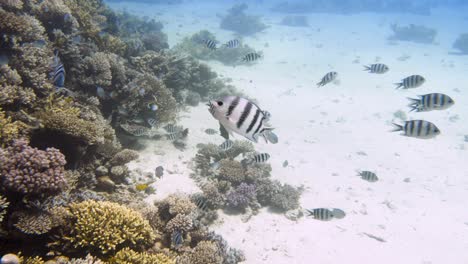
378	68
412	81
152	122
201	202
171	128
328	78
226	145
239	115
429	102
322	214
368	176
57	75
252	56
210	44
177	238
259	158
211	131
233	43
417	129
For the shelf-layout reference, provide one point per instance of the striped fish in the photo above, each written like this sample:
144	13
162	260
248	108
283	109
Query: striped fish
368	176
177	238
412	81
429	102
253	56
322	214
239	115
57	74
233	43
328	78
418	129
211	131
135	130
152	122
201	202
226	145
260	158
378	68
173	136
210	44
171	128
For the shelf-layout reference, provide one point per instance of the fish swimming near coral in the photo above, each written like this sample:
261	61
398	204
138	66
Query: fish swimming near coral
259	158
328	78
226	145
412	81
210	44
101	93
201	202
211	131
152	106
253	56
378	68
57	74
418	129
285	163
322	214
136	130
171	128
159	171
429	102
177	238
368	176
233	43
239	115
152	122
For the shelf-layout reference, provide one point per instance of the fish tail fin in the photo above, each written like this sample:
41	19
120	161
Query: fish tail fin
309	212
319	84
397	127
399	85
366	68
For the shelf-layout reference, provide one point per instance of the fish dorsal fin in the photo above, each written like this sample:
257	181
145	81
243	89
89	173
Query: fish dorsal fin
224	133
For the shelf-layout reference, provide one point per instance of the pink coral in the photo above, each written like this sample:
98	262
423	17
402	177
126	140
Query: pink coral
29	170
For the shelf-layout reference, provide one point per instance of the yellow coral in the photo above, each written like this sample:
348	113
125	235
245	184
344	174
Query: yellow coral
106	227
128	256
35	260
10	130
3	206
60	115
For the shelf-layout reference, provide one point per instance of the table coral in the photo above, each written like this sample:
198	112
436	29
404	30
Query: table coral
106	227
29	170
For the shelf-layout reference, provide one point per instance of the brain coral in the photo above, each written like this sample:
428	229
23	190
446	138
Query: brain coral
106	227
29	170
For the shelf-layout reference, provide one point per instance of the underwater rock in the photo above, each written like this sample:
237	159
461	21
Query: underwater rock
461	43
10	259
124	157
237	21
295	21
414	33
105	183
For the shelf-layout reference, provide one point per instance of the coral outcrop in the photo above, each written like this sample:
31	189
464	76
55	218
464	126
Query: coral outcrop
127	255
241	23
414	33
461	43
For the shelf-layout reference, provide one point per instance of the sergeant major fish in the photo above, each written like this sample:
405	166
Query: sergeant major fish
378	68
210	44
412	81
57	74
249	57
418	129
368	176
328	78
322	214
233	43
239	115
432	101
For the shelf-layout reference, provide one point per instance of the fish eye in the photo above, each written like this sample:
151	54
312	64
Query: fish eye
220	103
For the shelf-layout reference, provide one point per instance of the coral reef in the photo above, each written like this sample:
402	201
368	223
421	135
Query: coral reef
414	33
28	170
180	222
295	21
461	43
3	207
206	252
228	56
124	157
10	130
237	21
128	255
105	227
241	196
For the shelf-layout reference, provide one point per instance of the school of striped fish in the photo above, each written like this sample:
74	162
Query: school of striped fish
231	44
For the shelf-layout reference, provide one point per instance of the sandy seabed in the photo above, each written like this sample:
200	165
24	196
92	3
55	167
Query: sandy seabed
418	208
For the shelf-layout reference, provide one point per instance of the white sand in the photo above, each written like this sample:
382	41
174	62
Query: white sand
321	130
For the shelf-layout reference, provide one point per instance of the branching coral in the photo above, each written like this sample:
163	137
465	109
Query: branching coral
231	171
124	156
180	222
87	260
12	4
105	227
24	28
242	196
129	256
283	197
3	207
206	252
10	130
28	170
34	223
13	93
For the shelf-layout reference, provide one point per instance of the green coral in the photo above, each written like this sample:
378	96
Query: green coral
129	256
106	227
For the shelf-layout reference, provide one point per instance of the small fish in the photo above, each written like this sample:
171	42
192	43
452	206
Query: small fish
171	128
135	130
173	136
226	145
211	131
418	129
239	115
322	214
152	122
210	44
67	17
233	43
368	176
429	102
201	202
101	93
285	163
259	158
378	68
253	56
142	92
58	71
39	43
153	106
412	81
177	238
159	171
328	78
